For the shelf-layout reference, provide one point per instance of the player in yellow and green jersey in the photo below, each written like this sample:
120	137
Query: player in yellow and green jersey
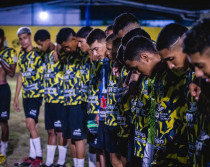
8	60
53	85
150	66
97	84
30	78
122	24
90	104
196	46
73	117
176	115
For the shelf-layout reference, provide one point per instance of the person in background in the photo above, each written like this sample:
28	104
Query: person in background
30	77
8	60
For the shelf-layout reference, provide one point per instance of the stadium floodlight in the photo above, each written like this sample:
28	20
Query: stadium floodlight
43	15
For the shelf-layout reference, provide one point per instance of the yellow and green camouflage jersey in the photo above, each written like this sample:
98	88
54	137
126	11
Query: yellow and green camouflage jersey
124	108
85	72
142	112
171	137
9	56
124	127
201	155
53	77
31	68
93	87
112	110
71	79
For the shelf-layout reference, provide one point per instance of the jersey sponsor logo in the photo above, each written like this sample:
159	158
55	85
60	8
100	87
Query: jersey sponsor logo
57	124
30	87
162	116
159	141
33	112
111	83
138	133
77	132
4	114
140	140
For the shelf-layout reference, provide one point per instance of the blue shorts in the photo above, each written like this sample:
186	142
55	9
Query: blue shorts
5	98
31	107
111	139
53	116
73	124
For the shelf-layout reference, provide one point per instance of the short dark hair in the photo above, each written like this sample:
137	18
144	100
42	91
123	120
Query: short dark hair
169	35
138	45
122	21
109	27
1	33
197	39
120	55
133	33
84	31
110	37
115	45
96	35
41	35
64	34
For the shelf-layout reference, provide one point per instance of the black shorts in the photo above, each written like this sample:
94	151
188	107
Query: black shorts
131	144
31	107
111	139
73	127
101	136
84	109
122	146
53	116
5	97
91	138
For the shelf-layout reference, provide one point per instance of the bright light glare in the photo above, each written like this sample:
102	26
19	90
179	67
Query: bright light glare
43	15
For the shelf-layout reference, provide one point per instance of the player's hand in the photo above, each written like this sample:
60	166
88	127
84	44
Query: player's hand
195	90
116	71
97	119
16	105
55	56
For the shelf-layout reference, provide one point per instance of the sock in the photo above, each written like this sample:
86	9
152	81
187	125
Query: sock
37	146
62	155
92	160
32	153
80	162
50	154
4	146
75	162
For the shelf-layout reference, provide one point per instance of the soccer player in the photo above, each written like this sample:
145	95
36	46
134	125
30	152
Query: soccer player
196	46
93	155
30	77
144	58
176	122
98	81
124	23
139	103
8	60
73	117
53	85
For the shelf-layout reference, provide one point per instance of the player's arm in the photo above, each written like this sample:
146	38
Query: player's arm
17	92
9	69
